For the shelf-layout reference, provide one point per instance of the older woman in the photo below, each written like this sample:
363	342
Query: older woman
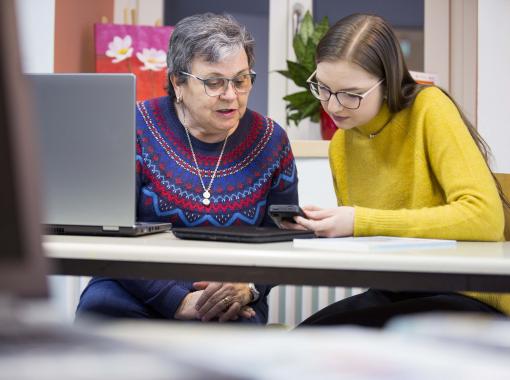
203	158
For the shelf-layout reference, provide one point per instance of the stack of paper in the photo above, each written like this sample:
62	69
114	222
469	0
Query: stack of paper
372	243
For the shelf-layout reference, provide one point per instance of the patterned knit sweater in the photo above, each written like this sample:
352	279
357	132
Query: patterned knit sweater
257	169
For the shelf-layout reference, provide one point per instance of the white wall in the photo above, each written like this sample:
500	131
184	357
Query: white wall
148	12
36	26
494	79
315	182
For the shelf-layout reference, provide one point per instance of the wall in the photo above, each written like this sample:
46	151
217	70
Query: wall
494	79
74	33
36	20
57	35
400	13
148	12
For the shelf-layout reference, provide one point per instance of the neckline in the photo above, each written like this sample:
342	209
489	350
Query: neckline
197	143
375	126
206	200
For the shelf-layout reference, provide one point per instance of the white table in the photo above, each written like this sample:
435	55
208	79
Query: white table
408	349
470	266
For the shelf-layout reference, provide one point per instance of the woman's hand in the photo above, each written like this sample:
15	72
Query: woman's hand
187	309
330	222
223	300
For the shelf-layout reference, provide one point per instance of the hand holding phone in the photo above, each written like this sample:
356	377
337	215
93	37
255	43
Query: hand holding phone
285	213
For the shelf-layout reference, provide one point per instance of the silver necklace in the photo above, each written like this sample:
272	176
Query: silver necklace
206	201
372	135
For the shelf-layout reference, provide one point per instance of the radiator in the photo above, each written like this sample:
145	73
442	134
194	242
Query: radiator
290	305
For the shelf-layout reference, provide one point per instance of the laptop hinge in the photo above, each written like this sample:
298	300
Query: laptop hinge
110	228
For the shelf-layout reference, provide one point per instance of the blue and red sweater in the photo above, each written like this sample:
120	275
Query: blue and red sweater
257	169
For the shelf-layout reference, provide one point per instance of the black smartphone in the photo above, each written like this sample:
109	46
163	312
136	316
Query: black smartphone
285	213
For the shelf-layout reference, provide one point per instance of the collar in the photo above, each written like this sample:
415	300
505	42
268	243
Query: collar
377	124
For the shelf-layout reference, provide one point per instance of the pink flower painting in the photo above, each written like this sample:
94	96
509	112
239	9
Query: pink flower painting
136	49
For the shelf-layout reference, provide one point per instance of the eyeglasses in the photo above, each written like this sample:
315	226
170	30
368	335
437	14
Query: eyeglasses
217	86
347	99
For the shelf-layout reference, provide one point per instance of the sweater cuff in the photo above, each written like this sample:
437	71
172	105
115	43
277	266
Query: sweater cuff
372	222
361	221
263	292
171	301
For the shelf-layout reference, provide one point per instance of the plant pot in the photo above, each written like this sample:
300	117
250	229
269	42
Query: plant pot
328	127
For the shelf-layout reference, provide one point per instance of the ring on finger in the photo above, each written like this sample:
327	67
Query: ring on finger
226	302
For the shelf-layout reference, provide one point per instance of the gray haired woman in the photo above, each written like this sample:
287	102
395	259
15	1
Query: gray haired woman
203	158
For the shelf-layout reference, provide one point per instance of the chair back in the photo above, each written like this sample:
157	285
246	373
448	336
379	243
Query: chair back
504	180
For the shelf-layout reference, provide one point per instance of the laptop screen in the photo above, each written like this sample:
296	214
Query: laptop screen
86	128
22	270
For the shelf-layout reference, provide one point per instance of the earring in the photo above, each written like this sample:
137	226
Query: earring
179	99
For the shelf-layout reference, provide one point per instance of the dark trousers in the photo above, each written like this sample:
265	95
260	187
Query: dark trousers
106	298
375	308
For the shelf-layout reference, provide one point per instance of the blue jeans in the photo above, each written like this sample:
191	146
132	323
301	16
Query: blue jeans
105	297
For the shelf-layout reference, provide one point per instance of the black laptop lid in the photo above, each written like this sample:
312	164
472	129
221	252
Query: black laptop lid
241	234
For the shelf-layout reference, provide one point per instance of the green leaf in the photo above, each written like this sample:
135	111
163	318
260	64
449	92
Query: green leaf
311	109
306	28
285	73
303	104
309	59
299	99
320	30
299	48
298	73
296	117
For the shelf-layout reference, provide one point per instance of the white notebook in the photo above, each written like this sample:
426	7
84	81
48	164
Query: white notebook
372	243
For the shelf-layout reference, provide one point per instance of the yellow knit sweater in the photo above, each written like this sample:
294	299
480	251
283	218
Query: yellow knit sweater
422	175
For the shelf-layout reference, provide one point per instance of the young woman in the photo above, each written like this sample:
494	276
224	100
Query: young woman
405	162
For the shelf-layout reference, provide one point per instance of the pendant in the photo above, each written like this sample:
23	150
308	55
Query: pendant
206	202
206	194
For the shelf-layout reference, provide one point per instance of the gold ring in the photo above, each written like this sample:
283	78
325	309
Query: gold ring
226	301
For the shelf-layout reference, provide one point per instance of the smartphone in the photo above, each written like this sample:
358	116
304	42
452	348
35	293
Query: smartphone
285	213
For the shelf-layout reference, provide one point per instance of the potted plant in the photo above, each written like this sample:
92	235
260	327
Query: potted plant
302	105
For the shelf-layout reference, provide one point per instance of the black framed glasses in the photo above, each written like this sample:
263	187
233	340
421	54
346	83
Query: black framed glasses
216	86
346	99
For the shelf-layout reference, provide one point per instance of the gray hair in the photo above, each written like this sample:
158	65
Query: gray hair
208	36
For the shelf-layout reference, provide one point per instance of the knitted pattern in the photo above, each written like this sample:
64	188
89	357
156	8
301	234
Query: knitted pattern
422	176
257	169
257	165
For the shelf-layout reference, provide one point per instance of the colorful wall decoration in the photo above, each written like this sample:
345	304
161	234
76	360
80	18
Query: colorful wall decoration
136	49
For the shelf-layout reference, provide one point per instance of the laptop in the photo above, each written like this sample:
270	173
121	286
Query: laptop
86	131
241	234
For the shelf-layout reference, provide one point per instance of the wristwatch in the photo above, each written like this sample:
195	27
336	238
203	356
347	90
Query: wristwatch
255	294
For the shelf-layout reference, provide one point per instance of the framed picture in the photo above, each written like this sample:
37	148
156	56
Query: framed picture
136	49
